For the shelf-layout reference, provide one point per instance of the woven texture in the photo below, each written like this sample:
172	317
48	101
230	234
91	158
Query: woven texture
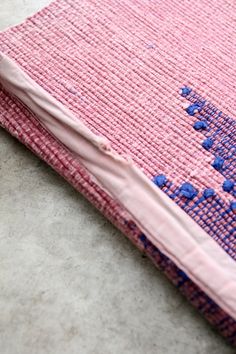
119	67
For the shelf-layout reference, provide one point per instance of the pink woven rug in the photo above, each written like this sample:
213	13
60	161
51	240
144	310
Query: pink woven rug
133	102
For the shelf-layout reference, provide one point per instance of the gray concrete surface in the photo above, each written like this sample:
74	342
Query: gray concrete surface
69	281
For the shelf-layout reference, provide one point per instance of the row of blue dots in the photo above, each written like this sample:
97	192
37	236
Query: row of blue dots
207	144
188	191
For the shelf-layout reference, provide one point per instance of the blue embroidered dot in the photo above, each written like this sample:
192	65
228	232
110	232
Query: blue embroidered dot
185	91
194	108
188	191
143	238
228	185
233	206
183	275
208	192
200	124
160	180
207	143
218	163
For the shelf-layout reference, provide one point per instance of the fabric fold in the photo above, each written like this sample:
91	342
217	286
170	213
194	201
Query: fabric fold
163	222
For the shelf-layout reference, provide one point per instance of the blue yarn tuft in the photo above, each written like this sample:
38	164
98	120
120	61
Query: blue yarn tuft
233	206
185	91
183	275
160	180
228	185
143	238
207	143
208	192
218	163
194	108
200	124
188	191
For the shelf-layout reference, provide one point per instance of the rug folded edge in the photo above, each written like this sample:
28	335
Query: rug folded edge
131	188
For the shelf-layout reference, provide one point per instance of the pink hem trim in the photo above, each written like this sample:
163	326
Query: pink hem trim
164	223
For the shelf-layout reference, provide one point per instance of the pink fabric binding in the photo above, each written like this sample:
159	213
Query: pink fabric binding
194	251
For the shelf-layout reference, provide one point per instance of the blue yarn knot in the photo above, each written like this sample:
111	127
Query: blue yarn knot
193	108
188	191
207	143
233	206
228	185
185	91
144	240
208	192
218	163
160	180
200	124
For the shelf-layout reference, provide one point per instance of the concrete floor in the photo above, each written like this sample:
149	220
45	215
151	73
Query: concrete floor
69	281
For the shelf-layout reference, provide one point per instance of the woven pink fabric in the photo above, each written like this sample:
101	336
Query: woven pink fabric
119	66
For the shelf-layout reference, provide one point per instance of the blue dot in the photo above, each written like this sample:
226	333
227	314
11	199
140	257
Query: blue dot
160	180
200	124
218	163
208	192
182	274
188	191
207	143
143	238
228	185
185	91
233	206
194	108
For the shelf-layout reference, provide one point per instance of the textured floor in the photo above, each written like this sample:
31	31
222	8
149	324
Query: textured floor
59	291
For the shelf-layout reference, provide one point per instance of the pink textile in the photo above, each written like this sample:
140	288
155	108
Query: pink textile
194	252
118	66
